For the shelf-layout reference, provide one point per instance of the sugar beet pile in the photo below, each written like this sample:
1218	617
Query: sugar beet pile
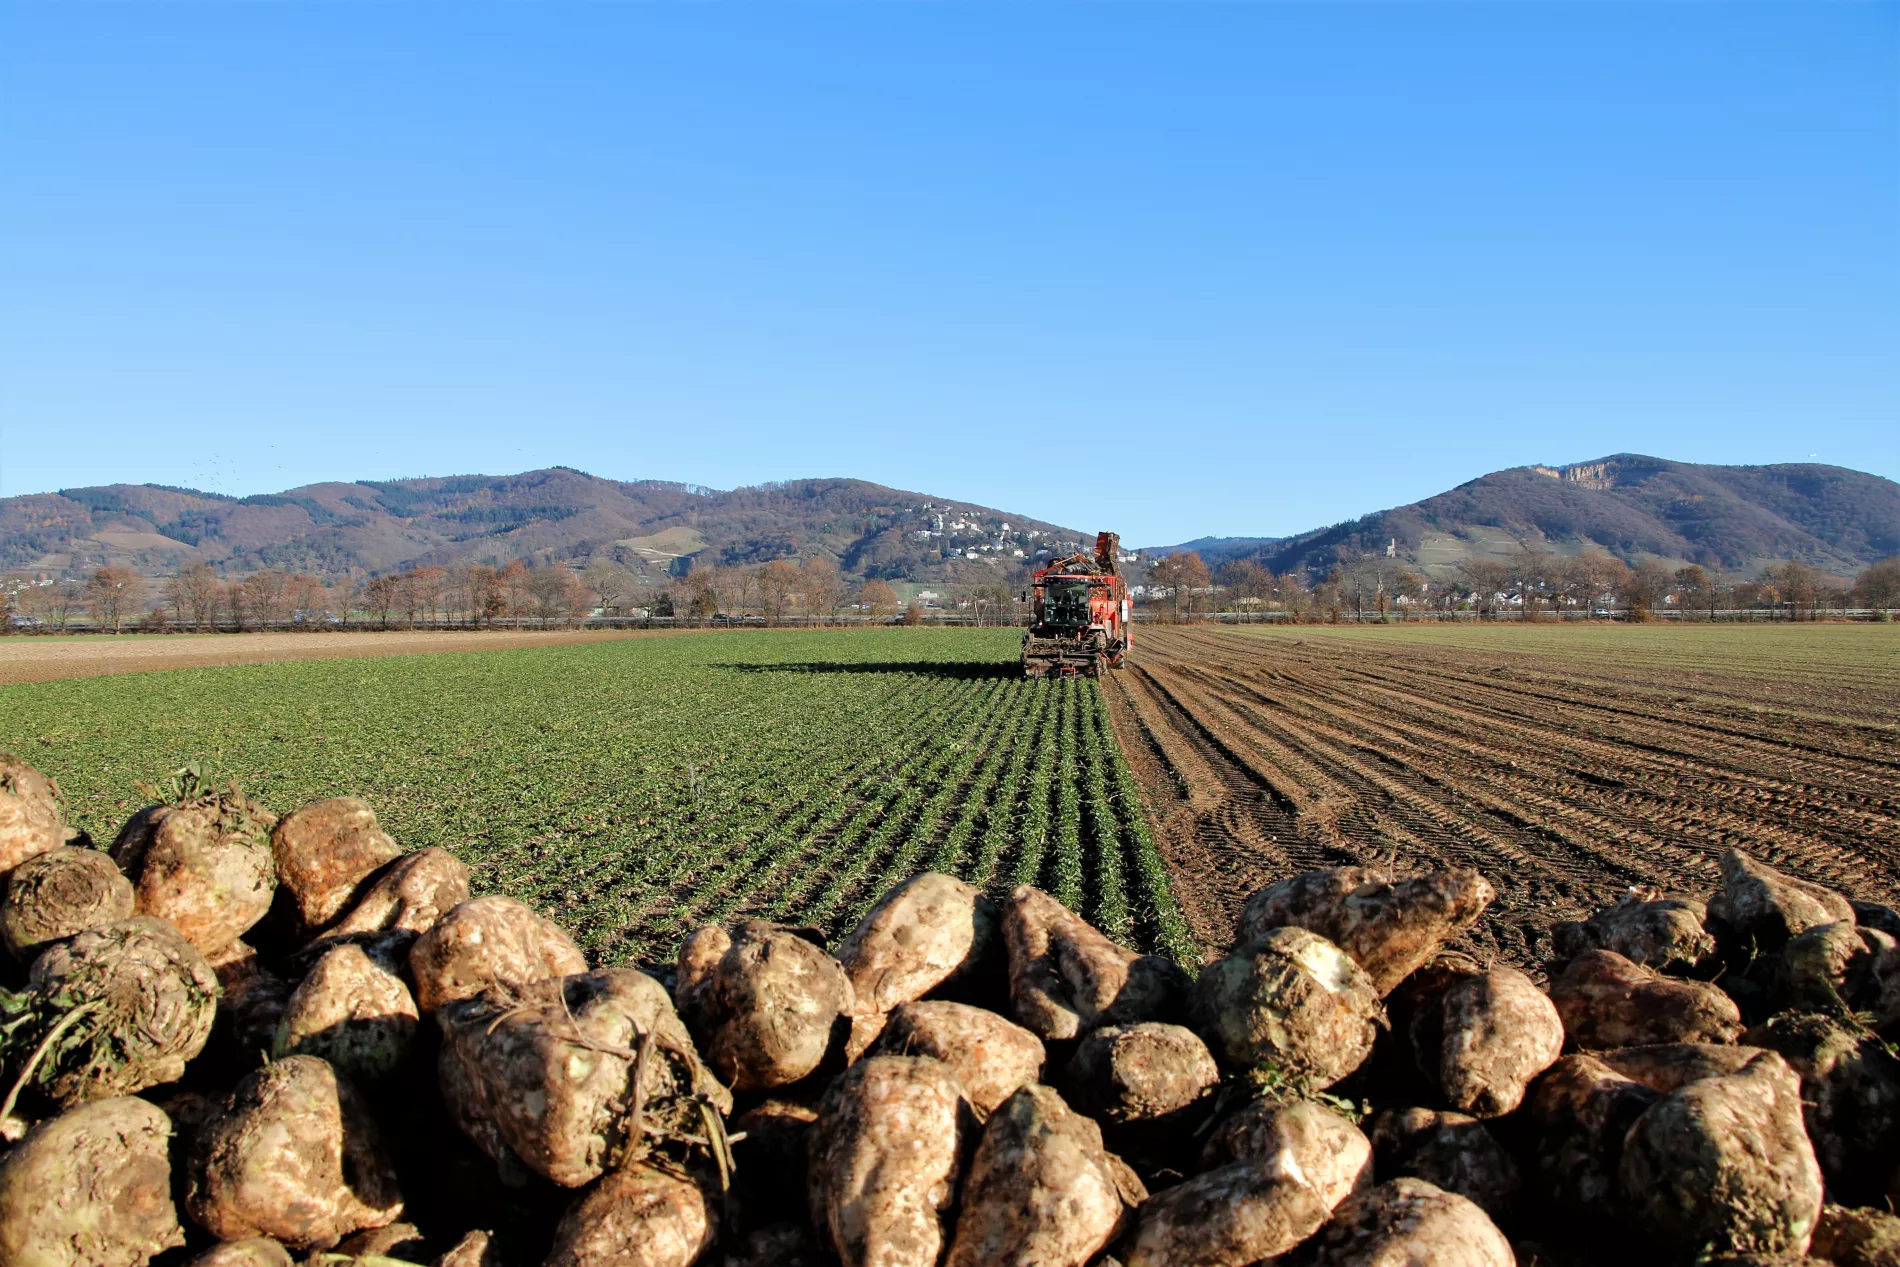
243	1038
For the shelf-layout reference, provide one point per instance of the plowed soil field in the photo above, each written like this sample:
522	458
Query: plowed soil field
1567	764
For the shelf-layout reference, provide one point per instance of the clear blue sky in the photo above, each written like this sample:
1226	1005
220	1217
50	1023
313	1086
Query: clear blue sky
1259	267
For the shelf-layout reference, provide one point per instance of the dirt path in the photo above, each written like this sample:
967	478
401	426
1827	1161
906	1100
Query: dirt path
47	659
1566	773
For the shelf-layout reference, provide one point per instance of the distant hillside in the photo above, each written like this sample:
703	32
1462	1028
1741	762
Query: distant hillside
556	515
1735	518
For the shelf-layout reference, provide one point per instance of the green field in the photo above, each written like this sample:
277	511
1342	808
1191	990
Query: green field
634	790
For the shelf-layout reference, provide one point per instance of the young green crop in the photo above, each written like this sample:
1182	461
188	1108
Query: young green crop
636	789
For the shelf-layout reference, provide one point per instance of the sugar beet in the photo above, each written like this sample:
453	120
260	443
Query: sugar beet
1388	928
57	894
929	930
90	1188
1291	1000
990	1056
485	941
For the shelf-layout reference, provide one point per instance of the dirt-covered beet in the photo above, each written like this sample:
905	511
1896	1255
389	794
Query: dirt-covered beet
1066	977
636	1217
131	1002
30	821
353	1010
1388	927
1856	1238
202	862
1290	1000
90	1188
252	1251
1660	931
293	1155
55	894
546	1069
1725	1164
929	930
1574	1121
1669	1067
885	1156
487	941
990	1056
1410	1221
1838	966
1496	1032
324	852
1041	1190
250	1003
766	1005
1606	1002
1452	1151
1230	1216
474	1250
409	895
1135	1073
1759	908
1313	1144
1151	1086
1850	1096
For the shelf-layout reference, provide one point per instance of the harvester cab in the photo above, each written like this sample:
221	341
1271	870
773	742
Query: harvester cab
1079	614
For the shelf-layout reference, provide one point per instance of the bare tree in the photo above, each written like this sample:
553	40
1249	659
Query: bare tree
1410	586
819	586
113	593
1878	584
702	595
194	593
608	581
555	592
304	595
1246	581
1182	575
1798	584
1295	594
380	594
512	582
1646	587
263	596
735	587
879	597
778	582
1487	579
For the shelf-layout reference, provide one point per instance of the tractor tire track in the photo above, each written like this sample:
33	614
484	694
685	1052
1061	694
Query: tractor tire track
1565	782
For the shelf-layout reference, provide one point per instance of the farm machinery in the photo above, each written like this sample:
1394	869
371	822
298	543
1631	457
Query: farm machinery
1079	616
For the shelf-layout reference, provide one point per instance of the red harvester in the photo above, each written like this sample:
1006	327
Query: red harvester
1080	620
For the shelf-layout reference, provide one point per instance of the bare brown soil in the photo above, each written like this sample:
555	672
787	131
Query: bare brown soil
1565	770
46	659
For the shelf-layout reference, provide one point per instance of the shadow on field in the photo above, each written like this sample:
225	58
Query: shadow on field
920	668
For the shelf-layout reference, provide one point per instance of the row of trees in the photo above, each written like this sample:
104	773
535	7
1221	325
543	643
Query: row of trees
1534	581
197	597
812	591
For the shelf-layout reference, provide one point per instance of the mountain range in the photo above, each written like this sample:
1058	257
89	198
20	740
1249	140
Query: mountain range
559	515
1734	518
1730	518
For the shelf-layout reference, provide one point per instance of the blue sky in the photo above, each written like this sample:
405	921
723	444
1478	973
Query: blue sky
1175	269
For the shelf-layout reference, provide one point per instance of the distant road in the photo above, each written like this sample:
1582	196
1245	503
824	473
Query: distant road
46	659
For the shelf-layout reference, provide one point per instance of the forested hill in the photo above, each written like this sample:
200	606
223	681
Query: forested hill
1736	518
555	515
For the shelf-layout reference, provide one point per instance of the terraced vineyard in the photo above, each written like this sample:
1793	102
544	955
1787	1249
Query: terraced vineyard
1567	764
635	790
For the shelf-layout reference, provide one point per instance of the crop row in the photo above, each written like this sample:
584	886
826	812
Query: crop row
634	790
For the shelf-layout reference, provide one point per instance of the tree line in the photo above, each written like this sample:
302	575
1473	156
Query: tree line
197	597
1532	582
